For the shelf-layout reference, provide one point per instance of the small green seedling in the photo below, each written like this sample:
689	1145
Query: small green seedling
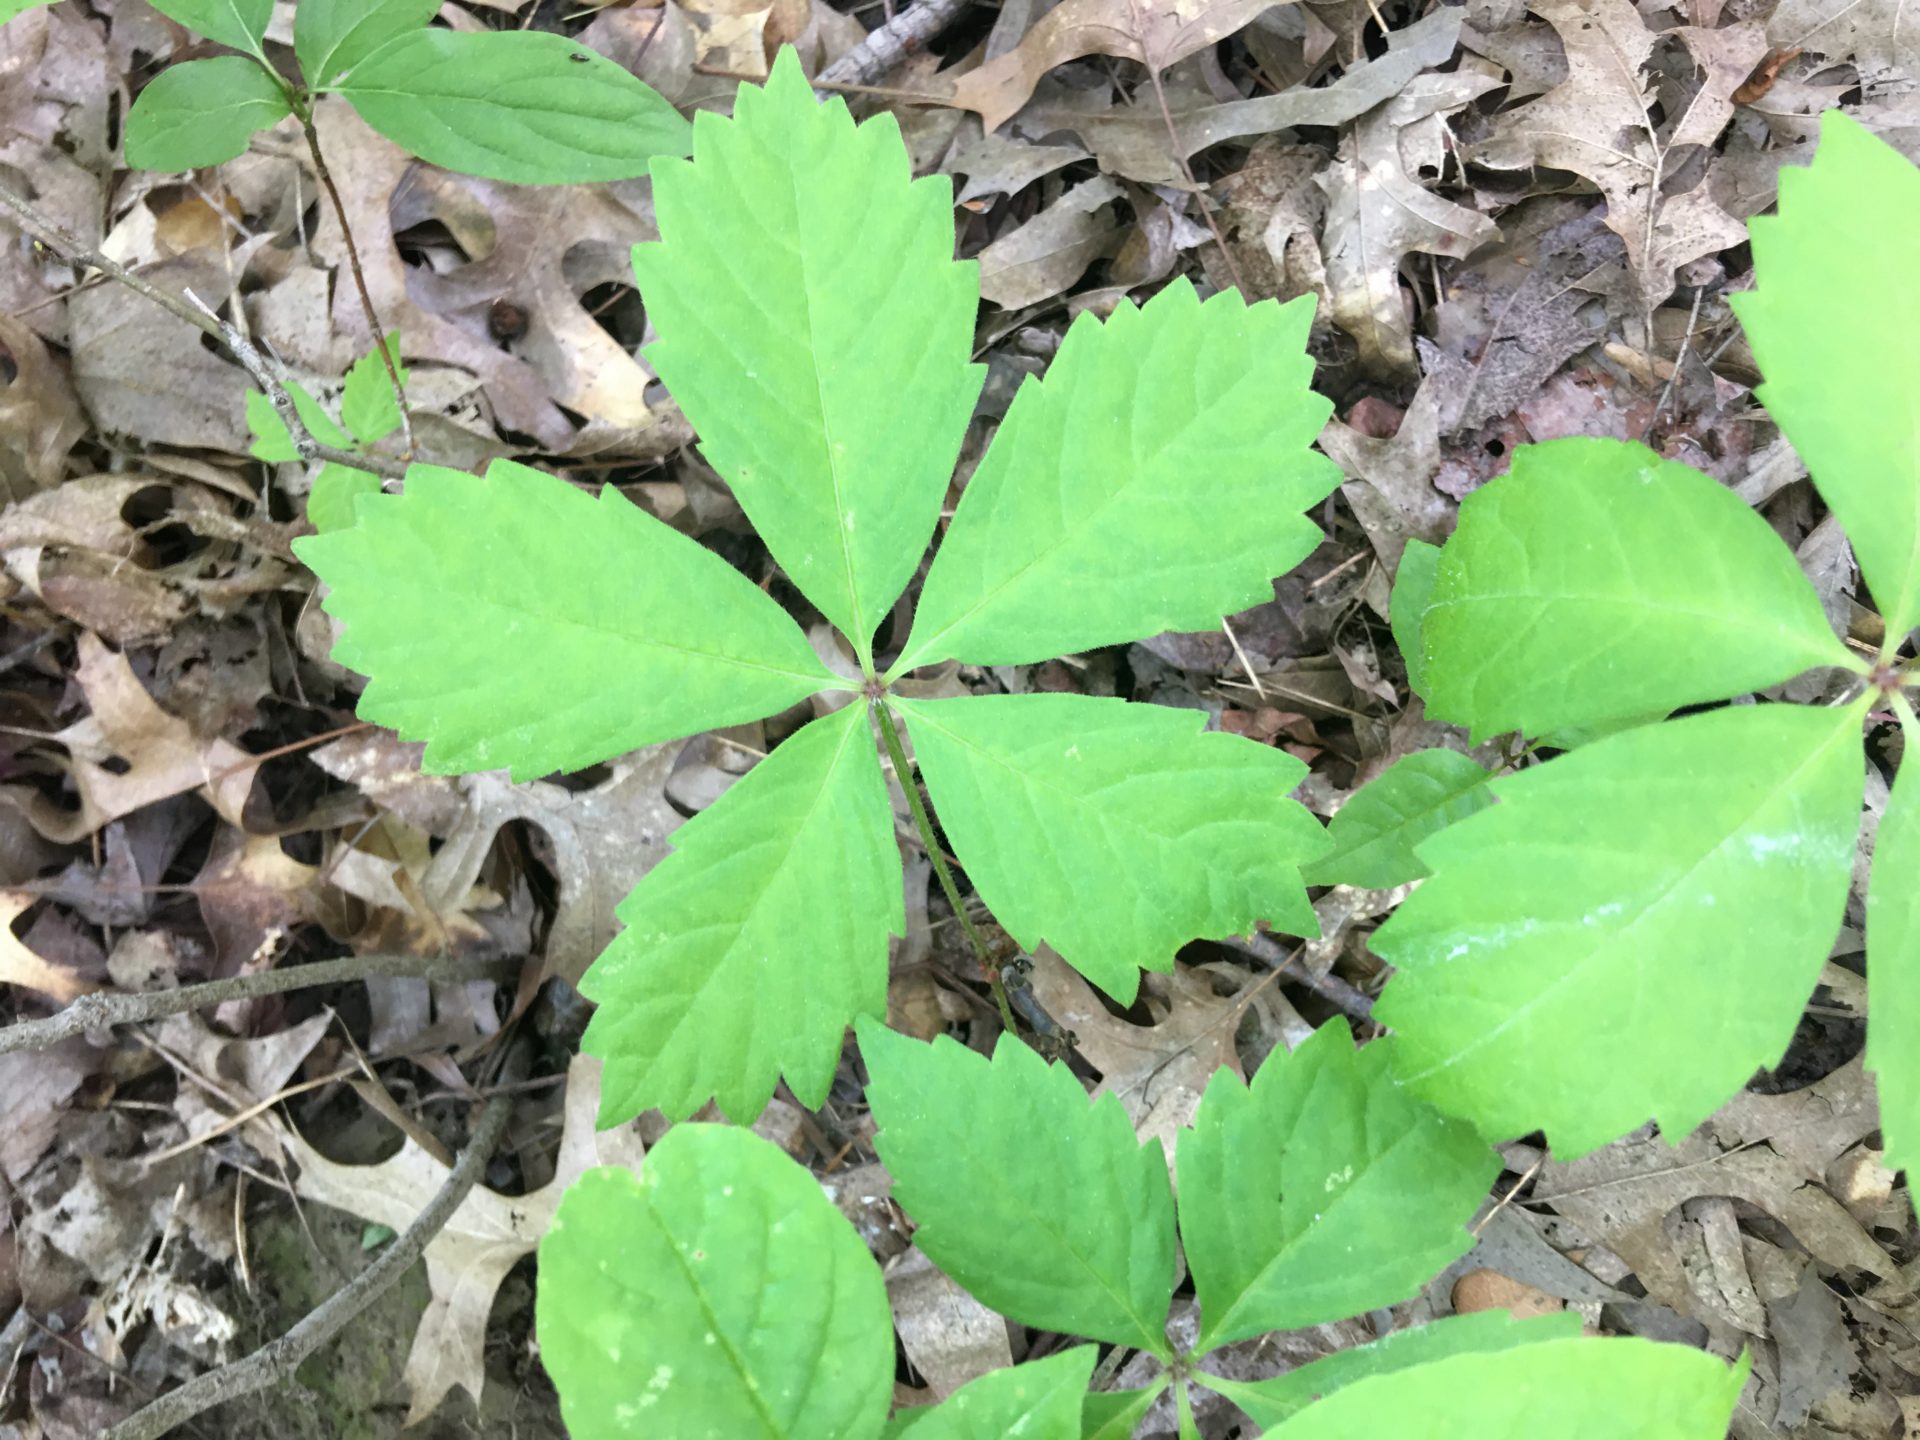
519	105
721	1293
1634	928
369	412
817	331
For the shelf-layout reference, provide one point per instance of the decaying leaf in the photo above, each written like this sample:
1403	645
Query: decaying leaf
40	419
1052	250
1600	124
1881	34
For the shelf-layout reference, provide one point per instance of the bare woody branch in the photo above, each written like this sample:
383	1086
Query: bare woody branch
889	46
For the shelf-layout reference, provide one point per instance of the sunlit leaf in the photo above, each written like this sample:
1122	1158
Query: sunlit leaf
1039	1201
336	491
1153	480
1411	594
1597	582
1375	832
273	442
526	106
514	621
202	113
1834	321
367	404
1624	1389
1320	1191
717	1293
1669	893
1115	832
1893	968
1268	1402
816	330
1036	1401
752	946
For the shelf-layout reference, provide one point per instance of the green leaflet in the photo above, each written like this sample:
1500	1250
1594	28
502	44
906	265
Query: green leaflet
1113	1414
333	35
1268	1402
1893	968
1040	1401
1624	1389
239	23
524	106
1115	832
1153	480
514	621
718	1293
1042	1204
1412	593
1375	832
1598	582
1320	1191
367	404
705	993
202	113
1835	325
1678	876
273	442
336	491
815	329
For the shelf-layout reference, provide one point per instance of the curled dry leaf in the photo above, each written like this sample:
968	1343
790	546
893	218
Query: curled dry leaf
21	965
40	419
1157	33
1600	124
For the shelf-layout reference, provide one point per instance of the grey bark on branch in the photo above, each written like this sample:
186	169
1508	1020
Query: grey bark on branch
890	45
277	1360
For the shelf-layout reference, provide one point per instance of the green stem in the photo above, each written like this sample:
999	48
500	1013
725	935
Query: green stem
896	752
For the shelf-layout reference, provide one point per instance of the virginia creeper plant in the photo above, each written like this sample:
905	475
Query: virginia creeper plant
1634	928
369	412
816	330
720	1292
525	106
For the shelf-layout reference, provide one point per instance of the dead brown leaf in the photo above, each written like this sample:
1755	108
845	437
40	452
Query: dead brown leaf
1051	251
40	419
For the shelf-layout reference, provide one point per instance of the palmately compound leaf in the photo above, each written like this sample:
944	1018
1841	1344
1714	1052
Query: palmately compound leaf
1269	1402
1154	480
335	35
815	328
514	621
1893	968
1115	1414
1597	581
1040	1401
1375	832
719	1292
239	23
1834	322
1320	1191
367	404
524	106
1040	1202
1626	1389
1669	893
752	946
202	113
1412	593
1114	832
336	492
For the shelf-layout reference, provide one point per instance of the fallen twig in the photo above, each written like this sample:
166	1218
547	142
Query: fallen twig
277	1360
1330	988
891	44
201	317
97	1012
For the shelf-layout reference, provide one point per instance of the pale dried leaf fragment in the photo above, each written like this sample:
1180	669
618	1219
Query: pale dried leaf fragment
1378	213
1600	124
1158	33
40	419
21	965
1881	34
948	1336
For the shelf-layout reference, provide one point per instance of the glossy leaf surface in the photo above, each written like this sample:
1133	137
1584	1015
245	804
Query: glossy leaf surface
750	948
1112	831
1039	1201
1598	582
528	107
1621	1389
1680	880
1834	321
202	112
1153	480
1320	1191
514	621
816	330
1375	832
719	1292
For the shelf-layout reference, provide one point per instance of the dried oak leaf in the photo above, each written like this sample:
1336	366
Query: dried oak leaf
1052	250
1599	123
1158	33
40	419
487	1236
1880	34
